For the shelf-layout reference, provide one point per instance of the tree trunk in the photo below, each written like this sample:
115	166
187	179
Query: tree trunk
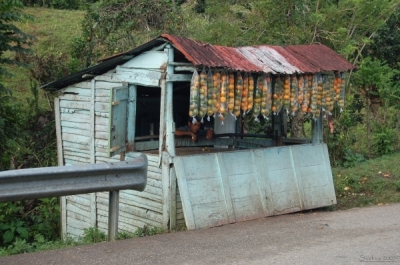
297	126
375	103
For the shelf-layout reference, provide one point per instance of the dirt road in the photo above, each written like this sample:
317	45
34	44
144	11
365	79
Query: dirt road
355	236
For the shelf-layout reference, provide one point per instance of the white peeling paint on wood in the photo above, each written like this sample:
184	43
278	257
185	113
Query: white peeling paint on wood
100	159
101	120
127	220
101	135
73	97
142	202
152	158
102	99
78	153
150	217
101	151
76	125
102	154
132	219
74	146
77	131
74	105
143	196
180	216
102	114
77	216
103	227
74	232
154	183
78	225
139	76
75	160
77	208
158	192
74	111
102	86
75	117
83	84
152	171
80	85
76	90
154	190
70	162
131	211
82	196
130	216
79	200
154	167
104	94
154	175
148	60
130	197
101	143
102	107
100	128
110	78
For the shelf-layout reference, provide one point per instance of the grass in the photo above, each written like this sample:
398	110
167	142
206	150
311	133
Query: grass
91	235
373	182
54	31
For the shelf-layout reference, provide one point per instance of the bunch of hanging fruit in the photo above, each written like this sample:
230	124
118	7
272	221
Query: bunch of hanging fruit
222	93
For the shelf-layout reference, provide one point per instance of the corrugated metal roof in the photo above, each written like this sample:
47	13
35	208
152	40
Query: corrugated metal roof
269	59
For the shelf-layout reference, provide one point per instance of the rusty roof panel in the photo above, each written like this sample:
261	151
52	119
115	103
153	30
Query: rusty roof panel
235	60
321	57
204	54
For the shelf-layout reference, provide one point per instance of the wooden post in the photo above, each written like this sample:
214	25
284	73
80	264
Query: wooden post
317	133
165	169
132	99
93	208
60	157
170	137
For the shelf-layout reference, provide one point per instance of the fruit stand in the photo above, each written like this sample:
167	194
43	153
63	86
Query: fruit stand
132	102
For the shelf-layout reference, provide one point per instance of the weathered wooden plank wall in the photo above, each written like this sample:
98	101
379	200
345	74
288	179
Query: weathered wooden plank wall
83	122
180	218
136	208
75	132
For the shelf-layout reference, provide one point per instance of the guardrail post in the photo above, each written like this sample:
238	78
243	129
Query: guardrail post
113	211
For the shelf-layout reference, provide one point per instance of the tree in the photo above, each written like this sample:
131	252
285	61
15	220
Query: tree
13	40
114	26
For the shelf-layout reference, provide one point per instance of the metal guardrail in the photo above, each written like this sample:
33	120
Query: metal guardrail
25	184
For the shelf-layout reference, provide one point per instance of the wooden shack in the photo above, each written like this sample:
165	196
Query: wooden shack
132	102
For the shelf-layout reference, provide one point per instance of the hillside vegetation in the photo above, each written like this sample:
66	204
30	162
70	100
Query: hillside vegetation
55	31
